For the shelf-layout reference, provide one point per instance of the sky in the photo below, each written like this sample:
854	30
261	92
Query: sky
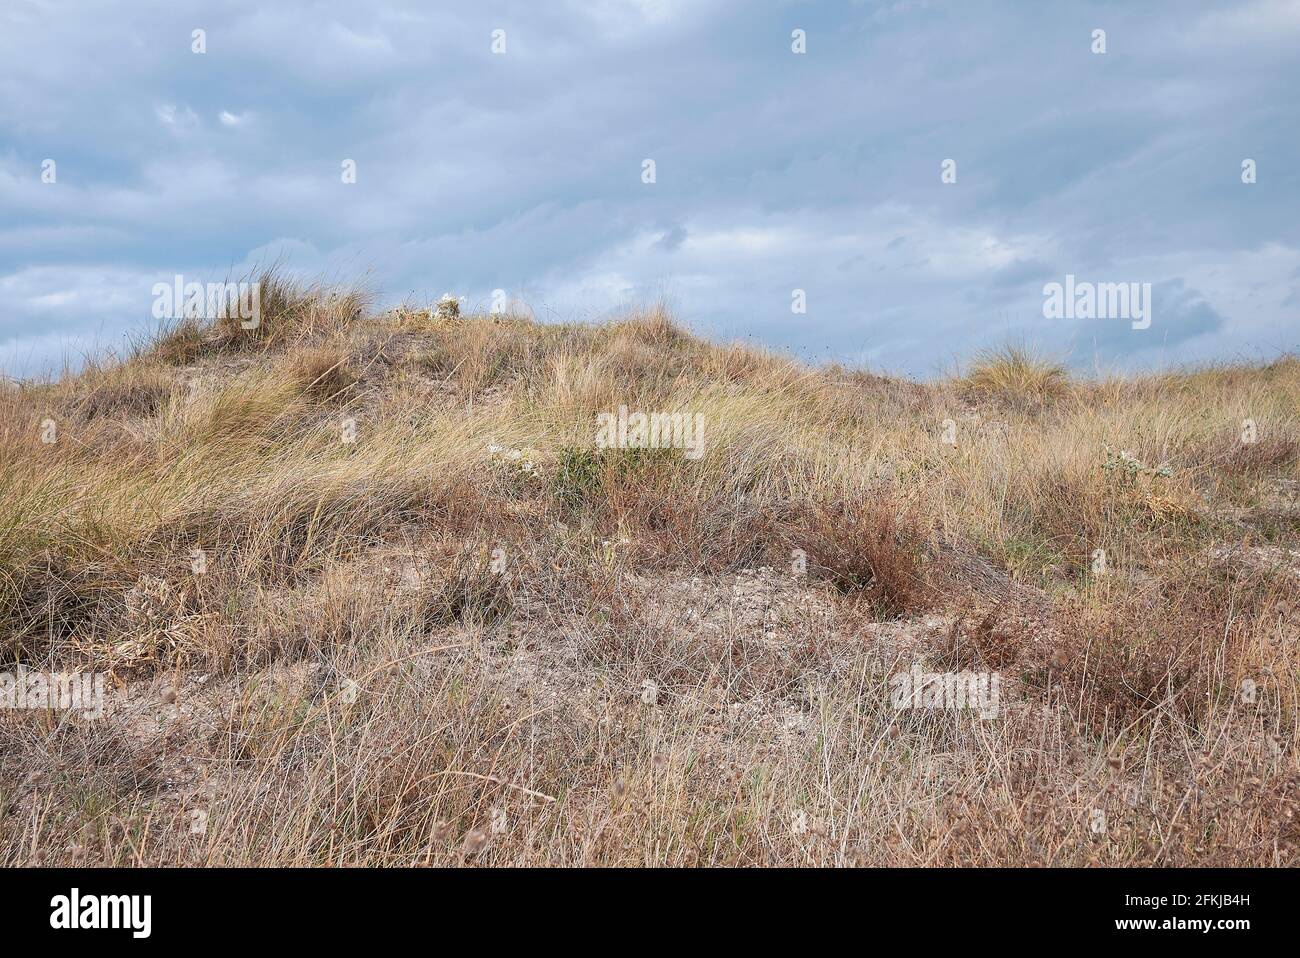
504	146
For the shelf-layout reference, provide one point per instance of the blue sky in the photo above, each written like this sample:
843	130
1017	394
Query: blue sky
775	171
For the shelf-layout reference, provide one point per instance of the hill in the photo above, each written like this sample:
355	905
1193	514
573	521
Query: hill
417	588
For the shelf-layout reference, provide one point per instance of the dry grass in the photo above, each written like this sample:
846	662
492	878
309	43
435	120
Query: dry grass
466	634
1016	375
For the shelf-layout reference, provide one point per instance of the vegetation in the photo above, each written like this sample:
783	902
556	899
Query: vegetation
367	592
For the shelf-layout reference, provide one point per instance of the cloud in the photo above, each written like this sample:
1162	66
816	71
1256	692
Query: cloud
179	119
776	170
1178	314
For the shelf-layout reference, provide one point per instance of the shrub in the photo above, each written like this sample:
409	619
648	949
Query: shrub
1017	376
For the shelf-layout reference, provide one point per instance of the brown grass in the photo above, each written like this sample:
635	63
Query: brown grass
1016	375
467	635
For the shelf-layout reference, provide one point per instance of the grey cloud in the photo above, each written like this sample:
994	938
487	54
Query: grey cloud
522	171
